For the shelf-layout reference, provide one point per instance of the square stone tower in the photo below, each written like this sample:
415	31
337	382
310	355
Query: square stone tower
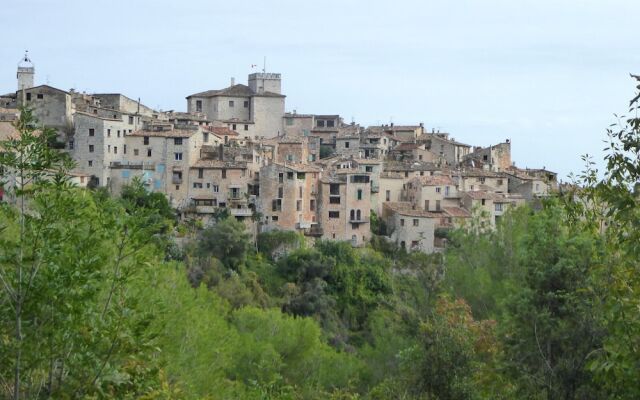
26	73
261	82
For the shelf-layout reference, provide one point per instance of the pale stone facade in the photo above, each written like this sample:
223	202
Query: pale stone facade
411	228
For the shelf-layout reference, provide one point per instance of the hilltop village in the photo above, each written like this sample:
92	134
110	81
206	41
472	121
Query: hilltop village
238	149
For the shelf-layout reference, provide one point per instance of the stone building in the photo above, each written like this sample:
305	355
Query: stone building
452	151
410	227
257	109
489	204
496	158
52	107
344	206
432	193
289	197
478	179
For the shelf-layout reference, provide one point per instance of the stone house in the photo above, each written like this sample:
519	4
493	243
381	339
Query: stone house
432	193
344	206
52	107
497	158
257	108
451	151
410	227
289	197
492	205
469	180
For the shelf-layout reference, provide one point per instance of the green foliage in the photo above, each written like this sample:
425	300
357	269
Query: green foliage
69	325
227	240
279	241
326	151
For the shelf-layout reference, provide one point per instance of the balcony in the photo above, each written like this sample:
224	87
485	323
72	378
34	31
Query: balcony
303	225
315	230
241	212
358	221
205	209
235	195
375	188
176	181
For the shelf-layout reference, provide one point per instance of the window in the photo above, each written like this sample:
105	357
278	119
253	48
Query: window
437	205
92	132
28	96
300	192
388	195
334	214
224	174
426	205
276	205
359	196
402	244
499	206
130	119
401	221
197	185
136	152
205	137
124	149
200	173
346	145
274	217
280	192
118	134
70	144
298	205
312	205
483	201
91	163
145	140
234	127
329	124
40	96
499	182
177	156
289	175
416	222
289	121
215	188
414	244
334	199
334	189
90	148
231	104
246	127
198	105
115	149
437	190
177	187
177	141
320	123
368	169
108	133
148	152
246	104
109	148
280	177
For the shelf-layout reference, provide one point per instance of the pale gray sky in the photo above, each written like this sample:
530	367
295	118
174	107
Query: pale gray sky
549	74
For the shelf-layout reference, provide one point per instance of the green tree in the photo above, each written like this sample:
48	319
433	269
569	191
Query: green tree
227	240
67	324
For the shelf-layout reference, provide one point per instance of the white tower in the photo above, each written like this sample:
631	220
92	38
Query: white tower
26	72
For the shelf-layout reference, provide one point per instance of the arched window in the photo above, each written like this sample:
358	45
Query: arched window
359	215
352	214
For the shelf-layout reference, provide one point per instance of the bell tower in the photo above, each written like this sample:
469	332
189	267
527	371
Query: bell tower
26	72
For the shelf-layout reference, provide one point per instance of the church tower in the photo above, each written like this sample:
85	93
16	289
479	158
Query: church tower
26	72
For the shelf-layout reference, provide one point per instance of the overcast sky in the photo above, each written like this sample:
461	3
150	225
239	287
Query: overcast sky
548	74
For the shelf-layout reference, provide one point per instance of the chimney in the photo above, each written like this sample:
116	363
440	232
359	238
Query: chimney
221	152
233	81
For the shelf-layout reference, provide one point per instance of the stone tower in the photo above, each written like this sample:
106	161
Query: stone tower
26	72
261	82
